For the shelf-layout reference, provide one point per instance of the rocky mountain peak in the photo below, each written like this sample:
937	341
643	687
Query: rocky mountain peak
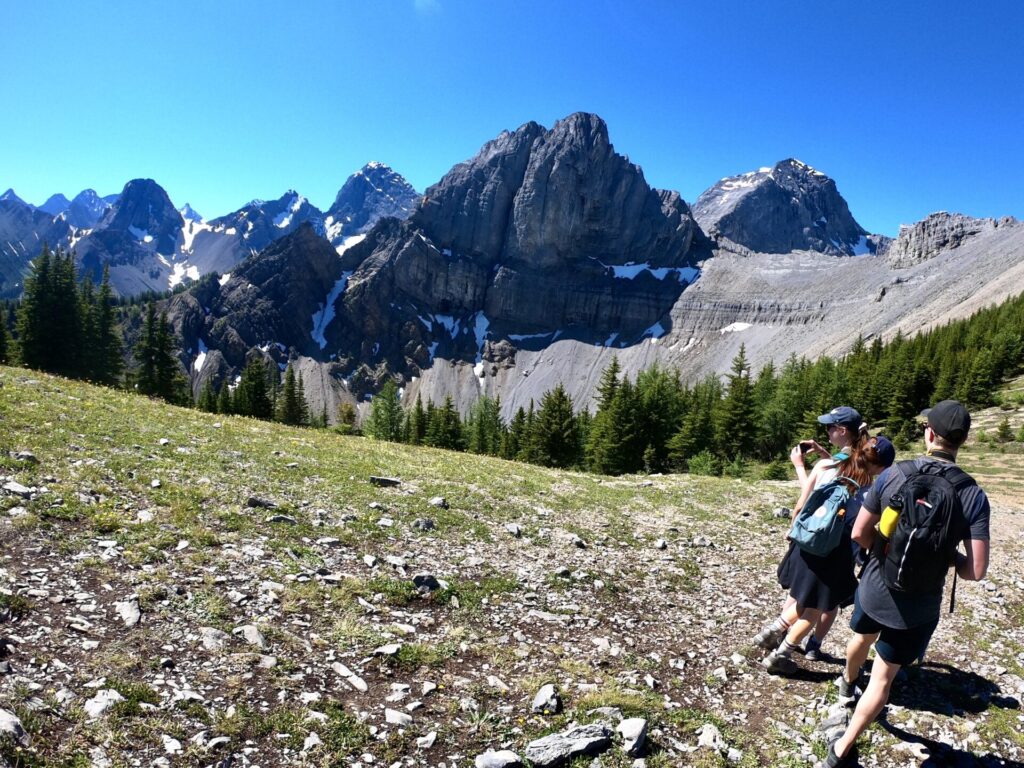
790	206
189	213
55	204
368	195
145	212
12	196
940	231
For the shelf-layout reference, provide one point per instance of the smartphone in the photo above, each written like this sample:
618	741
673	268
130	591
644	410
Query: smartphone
806	446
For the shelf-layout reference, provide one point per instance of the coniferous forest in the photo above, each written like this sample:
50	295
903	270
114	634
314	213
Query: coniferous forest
655	422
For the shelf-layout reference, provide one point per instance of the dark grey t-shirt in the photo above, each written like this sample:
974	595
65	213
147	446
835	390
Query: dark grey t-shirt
896	609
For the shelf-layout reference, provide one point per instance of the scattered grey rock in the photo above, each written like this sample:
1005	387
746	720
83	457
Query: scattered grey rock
390	649
287	519
251	634
255	502
709	736
11	726
426	582
502	759
426	742
27	456
661	544
394	717
384	482
546	701
634	735
101	702
213	639
17	489
129	611
515	529
424	524
557	749
439	501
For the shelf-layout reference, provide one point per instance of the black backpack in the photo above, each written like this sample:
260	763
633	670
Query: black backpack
920	549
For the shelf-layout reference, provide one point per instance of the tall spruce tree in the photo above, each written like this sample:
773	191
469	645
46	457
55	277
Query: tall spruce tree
252	395
146	354
207	398
485	427
5	342
554	430
224	400
444	429
291	405
385	420
735	423
107	357
50	317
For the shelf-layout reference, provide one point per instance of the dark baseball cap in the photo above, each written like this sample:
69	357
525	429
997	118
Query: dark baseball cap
949	419
885	450
844	415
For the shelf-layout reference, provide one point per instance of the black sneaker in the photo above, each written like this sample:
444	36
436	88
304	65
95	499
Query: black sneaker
848	692
832	760
769	638
812	651
779	664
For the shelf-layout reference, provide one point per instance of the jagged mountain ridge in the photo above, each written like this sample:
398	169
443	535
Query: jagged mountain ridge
150	246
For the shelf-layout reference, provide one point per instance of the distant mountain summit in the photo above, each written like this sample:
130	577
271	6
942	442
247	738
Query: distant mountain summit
55	204
787	207
370	194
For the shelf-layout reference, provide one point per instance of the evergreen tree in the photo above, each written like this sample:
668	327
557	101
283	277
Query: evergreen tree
50	318
146	354
5	343
416	431
107	363
512	439
170	380
554	432
252	395
484	426
444	429
207	398
224	399
735	422
385	420
291	404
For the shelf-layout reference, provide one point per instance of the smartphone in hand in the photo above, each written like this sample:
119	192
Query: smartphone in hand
806	446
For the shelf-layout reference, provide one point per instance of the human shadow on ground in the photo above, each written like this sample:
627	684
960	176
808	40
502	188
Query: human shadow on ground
946	690
942	755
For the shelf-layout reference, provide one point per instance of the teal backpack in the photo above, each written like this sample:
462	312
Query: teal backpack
818	527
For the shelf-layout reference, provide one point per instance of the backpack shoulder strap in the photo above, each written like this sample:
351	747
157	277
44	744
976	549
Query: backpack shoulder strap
957	477
908	467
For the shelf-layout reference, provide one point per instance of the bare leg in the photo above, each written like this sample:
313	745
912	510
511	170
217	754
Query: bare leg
802	625
856	654
870	704
825	623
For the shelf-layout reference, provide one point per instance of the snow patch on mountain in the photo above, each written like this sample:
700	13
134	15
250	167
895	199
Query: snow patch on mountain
325	314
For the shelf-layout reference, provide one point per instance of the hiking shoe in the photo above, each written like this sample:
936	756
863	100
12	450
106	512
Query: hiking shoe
832	760
779	664
812	651
848	692
769	637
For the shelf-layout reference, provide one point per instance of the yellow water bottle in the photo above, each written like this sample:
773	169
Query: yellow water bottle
890	515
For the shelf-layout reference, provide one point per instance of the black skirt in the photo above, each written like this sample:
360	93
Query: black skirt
821	582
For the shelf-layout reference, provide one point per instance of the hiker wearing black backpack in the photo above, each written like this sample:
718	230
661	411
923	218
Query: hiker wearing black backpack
819	569
912	521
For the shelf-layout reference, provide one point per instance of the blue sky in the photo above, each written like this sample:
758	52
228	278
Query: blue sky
911	107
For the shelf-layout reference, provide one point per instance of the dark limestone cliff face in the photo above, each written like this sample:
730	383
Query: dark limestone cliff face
938	232
788	207
529	238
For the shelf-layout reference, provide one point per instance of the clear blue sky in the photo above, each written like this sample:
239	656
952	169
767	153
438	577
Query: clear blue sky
911	107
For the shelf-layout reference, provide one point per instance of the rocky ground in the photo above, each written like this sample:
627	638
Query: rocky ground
185	589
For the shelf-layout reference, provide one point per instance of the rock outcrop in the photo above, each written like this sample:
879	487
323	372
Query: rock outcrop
938	232
788	207
23	230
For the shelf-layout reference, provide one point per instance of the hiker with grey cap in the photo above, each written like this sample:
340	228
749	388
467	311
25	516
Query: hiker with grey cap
912	521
